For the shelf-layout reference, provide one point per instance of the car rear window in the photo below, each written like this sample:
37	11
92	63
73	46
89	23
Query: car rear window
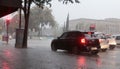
74	35
87	35
117	37
90	36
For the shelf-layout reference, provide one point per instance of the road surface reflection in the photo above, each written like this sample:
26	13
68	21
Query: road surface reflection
5	65
81	62
88	62
8	55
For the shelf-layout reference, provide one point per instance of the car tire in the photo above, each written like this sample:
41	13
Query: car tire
53	48
111	47
94	52
104	50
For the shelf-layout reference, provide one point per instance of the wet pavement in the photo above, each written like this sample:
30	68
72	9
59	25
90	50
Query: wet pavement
38	55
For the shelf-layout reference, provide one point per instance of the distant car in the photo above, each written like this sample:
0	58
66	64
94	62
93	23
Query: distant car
76	41
111	42
104	44
117	39
103	41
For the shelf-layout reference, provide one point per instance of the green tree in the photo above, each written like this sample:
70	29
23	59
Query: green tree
40	3
14	23
40	16
1	25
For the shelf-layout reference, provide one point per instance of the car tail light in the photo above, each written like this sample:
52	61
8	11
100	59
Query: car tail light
83	40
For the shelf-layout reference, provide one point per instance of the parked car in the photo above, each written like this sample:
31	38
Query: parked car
75	42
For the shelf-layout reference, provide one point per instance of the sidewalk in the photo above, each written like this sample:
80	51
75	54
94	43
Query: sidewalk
33	57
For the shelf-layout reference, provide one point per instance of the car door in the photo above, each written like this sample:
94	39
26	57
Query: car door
62	41
71	39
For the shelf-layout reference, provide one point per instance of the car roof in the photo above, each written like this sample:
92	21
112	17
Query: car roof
116	35
73	31
79	32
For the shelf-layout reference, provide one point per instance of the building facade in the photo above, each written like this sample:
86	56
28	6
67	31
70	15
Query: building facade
108	26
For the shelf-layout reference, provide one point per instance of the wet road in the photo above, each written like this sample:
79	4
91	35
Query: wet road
38	55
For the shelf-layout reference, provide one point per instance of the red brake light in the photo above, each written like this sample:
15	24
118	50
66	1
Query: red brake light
82	40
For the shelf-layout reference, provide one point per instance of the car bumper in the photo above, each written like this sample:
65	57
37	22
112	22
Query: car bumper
104	46
89	48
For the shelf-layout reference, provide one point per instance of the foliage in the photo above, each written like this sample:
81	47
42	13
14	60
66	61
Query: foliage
37	16
14	23
41	16
41	3
1	25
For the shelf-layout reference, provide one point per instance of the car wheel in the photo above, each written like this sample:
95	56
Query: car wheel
104	50
53	48
111	47
94	52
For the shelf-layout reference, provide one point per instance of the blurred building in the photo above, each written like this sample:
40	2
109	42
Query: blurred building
108	26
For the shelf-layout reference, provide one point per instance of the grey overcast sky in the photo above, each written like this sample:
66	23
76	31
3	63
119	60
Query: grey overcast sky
93	9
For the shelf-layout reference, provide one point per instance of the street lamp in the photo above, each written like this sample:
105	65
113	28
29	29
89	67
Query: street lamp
7	24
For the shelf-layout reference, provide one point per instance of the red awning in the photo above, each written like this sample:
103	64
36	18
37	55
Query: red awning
6	10
9	6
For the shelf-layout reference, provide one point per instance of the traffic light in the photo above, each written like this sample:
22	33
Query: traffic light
8	19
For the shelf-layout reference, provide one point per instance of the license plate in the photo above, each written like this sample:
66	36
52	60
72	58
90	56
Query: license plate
93	48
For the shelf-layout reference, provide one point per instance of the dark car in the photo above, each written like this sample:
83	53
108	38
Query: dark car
76	41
